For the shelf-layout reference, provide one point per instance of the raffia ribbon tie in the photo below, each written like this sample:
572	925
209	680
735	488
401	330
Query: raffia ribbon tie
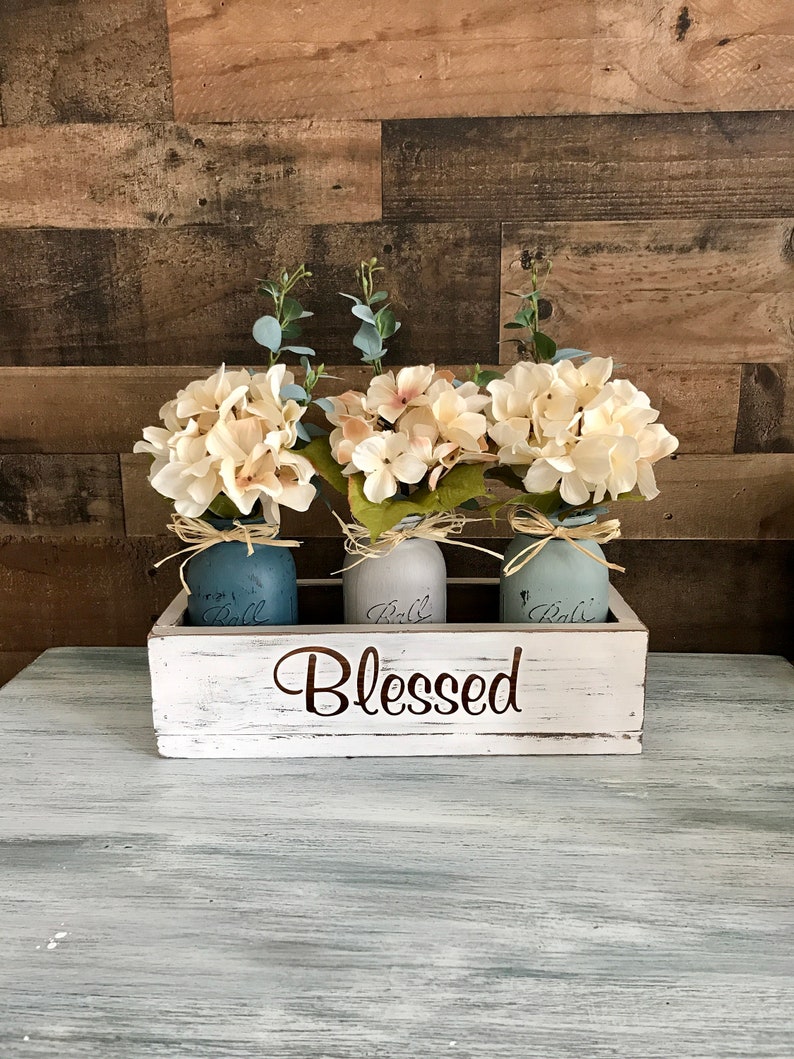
436	527
200	535
537	525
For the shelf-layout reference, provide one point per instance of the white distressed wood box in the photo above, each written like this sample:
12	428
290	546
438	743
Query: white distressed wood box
377	690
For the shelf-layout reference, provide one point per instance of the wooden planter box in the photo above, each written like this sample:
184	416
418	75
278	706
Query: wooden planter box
383	690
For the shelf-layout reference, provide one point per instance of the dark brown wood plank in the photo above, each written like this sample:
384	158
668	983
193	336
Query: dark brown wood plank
766	409
60	495
82	61
13	662
420	60
697	405
687	291
619	167
693	595
144	176
190	295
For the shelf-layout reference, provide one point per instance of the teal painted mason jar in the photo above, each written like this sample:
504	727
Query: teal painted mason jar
229	587
559	584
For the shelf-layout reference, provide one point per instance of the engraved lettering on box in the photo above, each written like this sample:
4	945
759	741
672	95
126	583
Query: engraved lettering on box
416	694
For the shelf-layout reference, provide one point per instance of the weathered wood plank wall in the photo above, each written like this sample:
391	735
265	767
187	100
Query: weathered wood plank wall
157	156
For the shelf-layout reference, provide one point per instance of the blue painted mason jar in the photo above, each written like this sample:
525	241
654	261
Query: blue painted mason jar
559	585
230	587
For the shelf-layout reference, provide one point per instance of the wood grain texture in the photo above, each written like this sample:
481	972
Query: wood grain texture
439	59
621	167
351	907
190	295
688	291
698	405
81	61
60	495
150	175
766	409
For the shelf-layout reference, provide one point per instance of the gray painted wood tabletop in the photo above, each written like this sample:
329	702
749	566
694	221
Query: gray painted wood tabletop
530	908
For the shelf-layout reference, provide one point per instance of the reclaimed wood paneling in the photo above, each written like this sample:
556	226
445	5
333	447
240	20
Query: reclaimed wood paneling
688	291
60	495
84	61
702	498
144	176
104	410
443	59
189	295
766	409
693	595
619	167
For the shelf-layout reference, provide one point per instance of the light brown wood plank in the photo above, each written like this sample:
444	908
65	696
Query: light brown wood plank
105	409
443	59
60	495
142	176
83	61
82	296
666	291
616	167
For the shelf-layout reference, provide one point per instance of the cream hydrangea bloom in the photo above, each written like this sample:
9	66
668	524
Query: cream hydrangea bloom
230	434
387	462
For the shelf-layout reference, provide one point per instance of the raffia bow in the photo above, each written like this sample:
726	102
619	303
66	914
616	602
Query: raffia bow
436	527
200	535
536	524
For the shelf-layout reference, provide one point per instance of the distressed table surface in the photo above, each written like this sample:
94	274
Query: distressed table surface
466	907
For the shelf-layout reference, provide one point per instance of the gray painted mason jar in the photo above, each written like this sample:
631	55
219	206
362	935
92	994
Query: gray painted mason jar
559	585
404	586
229	587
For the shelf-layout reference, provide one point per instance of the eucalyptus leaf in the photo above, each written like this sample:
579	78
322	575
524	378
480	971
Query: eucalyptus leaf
293	392
378	296
267	332
368	340
324	403
315	431
304	314
515	326
303	351
290	331
569	354
352	297
302	432
363	312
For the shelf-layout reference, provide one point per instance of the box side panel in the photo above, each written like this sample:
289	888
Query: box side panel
369	683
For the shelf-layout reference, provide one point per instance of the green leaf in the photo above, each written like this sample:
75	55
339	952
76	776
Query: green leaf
515	326
291	310
386	323
482	378
267	286
223	507
293	392
352	297
545	347
267	332
318	453
379	296
290	331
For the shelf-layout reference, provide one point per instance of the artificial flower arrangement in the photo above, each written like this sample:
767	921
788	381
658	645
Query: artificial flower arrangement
228	456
